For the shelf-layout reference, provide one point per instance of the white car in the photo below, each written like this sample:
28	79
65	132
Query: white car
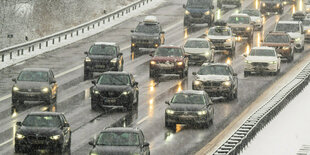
256	17
295	30
306	25
222	38
307	6
262	59
199	50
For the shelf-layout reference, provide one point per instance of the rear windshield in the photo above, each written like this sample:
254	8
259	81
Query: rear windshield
219	32
251	12
262	52
33	76
168	52
196	44
102	50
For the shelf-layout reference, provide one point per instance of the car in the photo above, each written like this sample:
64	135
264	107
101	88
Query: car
299	15
295	30
255	16
306	25
199	50
120	140
102	57
43	130
217	79
307	6
34	84
114	89
283	44
241	25
262	59
199	12
147	34
220	3
222	38
169	60
274	6
189	107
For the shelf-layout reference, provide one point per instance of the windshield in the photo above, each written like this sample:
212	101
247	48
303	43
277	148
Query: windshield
114	79
102	50
181	98
287	27
262	52
238	20
196	44
118	139
199	3
42	121
251	12
277	39
148	28
214	70
34	76
306	22
219	32
168	52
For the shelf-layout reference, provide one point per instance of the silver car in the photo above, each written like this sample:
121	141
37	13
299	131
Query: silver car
199	50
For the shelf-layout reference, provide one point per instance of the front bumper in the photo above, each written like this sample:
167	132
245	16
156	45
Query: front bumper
213	91
260	67
167	68
185	118
199	58
30	96
120	101
37	143
100	67
144	43
199	18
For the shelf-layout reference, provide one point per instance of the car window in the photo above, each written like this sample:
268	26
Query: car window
168	52
118	139
262	52
42	121
33	76
277	39
238	20
285	27
214	70
114	79
103	50
188	98
219	32
148	28
196	44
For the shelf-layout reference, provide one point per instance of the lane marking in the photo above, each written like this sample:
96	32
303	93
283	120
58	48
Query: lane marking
142	120
6	142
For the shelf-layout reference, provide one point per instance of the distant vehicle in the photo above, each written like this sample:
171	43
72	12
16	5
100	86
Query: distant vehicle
114	89
274	6
299	15
295	30
307	6
34	84
199	12
102	57
222	38
262	59
189	107
220	3
147	34
306	25
199	50
283	44
119	141
241	25
43	130
217	79
255	16
169	60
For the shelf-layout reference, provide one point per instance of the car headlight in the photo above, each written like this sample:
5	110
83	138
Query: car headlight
15	88
126	92
308	9
248	28
227	83
273	62
264	4
96	92
286	48
114	60
45	90
258	20
170	112
207	13
228	40
153	62
308	31
197	83
19	136
94	153
55	137
207	54
179	63
247	61
87	59
297	39
203	112
187	12
278	5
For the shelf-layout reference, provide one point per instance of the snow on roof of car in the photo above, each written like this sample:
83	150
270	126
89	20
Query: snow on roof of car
288	22
150	19
105	43
264	47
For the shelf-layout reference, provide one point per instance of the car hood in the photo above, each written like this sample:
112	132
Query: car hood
275	44
261	58
212	77
197	10
219	37
116	150
164	59
44	131
144	35
31	85
112	88
196	50
238	25
101	57
294	34
187	107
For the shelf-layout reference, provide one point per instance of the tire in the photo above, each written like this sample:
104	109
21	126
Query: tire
94	106
14	102
186	23
18	149
247	73
60	149
182	75
87	75
69	144
290	58
152	74
169	125
230	96
135	51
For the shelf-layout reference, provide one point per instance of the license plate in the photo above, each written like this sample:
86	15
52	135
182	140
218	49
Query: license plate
38	142
100	66
110	100
194	57
30	95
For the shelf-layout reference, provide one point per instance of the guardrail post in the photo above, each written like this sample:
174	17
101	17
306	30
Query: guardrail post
22	52
118	15
103	21
46	43
39	45
77	32
93	26
32	47
108	19
10	55
98	24
122	13
66	37
29	49
59	38
2	58
17	52
71	34
113	16
53	42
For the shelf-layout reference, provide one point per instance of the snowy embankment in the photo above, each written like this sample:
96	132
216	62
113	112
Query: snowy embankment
287	132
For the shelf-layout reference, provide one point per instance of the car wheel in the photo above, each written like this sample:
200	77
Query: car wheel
134	51
186	23
247	73
14	102
236	93
169	125
69	144
87	74
60	148
18	149
230	96
137	99
94	106
152	74
182	75
290	58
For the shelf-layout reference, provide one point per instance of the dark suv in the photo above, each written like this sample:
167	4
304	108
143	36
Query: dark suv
102	57
148	34
271	6
43	130
198	11
220	3
34	84
120	141
115	89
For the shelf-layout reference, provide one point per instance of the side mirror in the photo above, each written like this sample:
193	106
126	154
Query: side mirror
135	83
184	6
19	123
53	81
119	54
194	73
167	102
235	74
14	80
91	143
146	144
151	54
244	55
93	82
252	22
132	31
86	53
66	125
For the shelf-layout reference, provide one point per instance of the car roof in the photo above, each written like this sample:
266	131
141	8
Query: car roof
116	72
121	129
263	47
240	15
190	92
105	43
215	64
36	69
44	113
150	20
288	22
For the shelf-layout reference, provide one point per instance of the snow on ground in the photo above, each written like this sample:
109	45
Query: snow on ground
287	132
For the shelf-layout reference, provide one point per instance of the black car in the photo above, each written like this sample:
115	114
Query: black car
102	57
120	141
189	107
115	89
43	130
198	11
271	6
147	34
34	84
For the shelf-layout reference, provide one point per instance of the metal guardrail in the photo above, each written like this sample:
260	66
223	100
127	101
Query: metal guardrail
7	54
257	121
